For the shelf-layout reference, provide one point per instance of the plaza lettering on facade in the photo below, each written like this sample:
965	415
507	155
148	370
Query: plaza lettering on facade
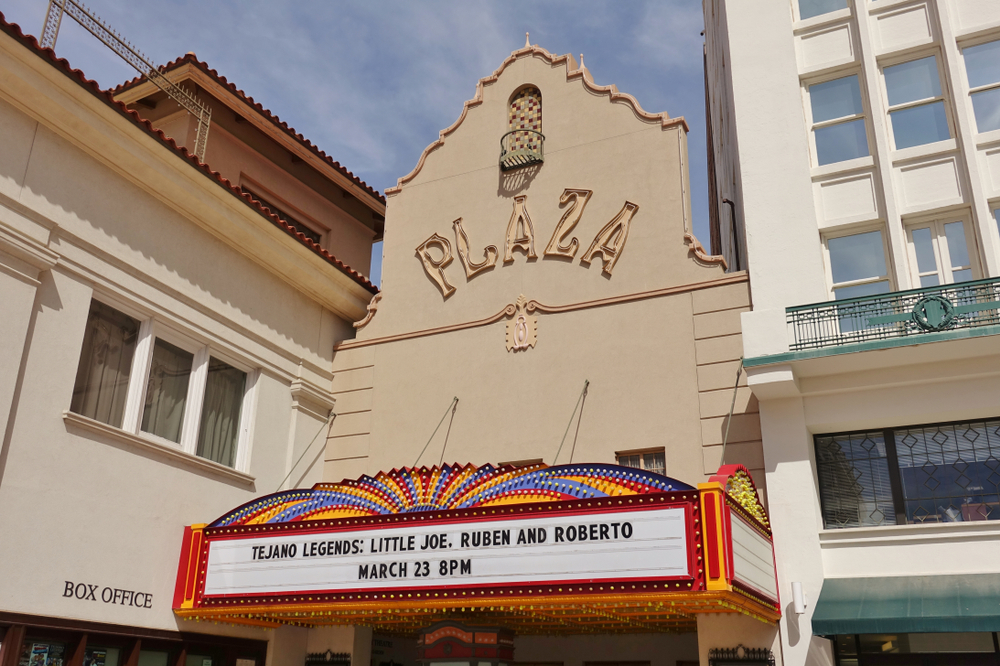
607	244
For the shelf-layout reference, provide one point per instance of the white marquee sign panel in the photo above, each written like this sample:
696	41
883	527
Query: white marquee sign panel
625	545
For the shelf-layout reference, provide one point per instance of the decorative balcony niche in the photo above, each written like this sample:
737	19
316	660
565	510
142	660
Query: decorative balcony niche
900	314
521	148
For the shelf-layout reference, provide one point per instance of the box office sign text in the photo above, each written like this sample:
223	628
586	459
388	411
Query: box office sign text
624	545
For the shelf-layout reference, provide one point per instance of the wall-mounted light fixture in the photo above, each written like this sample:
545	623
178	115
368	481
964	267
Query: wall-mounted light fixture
799	601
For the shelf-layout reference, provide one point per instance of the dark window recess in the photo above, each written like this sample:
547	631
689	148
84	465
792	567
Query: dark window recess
941	473
291	221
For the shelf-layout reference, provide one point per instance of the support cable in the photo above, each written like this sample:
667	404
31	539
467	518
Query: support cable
732	407
329	420
447	434
583	395
454	402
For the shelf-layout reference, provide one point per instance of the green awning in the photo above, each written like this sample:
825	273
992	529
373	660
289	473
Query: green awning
908	604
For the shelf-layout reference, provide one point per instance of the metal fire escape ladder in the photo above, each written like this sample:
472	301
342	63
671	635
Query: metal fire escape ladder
130	54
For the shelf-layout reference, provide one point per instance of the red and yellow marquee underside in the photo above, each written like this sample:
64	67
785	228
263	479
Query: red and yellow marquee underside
625	612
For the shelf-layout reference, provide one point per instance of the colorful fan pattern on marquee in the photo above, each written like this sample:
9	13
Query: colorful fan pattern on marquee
410	490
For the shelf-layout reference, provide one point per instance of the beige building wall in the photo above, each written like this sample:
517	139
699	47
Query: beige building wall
656	336
94	207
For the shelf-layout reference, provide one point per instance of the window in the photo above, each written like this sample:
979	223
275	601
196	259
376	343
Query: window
838	118
651	461
523	143
810	8
917	112
921	474
939	253
857	265
982	64
133	378
306	231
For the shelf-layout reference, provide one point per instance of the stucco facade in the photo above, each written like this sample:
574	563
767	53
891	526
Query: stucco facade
98	207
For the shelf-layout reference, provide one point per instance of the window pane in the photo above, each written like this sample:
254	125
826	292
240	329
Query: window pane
220	415
948	472
166	391
930	280
857	257
841	142
957	248
854	480
962	275
986	105
982	62
810	8
628	461
918	125
836	99
912	81
654	462
105	365
869	289
923	247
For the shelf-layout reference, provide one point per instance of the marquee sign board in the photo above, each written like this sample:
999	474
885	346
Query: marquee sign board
581	537
643	544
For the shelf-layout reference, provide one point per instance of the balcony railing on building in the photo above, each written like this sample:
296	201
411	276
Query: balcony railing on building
521	148
901	314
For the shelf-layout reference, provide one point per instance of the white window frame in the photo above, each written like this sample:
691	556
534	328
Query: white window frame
989	86
150	329
939	242
854	231
943	97
834	15
813	126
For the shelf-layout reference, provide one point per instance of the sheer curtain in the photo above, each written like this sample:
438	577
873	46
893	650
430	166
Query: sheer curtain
166	391
220	415
105	364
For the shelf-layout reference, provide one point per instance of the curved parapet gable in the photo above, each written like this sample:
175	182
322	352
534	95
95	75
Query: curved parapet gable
411	490
573	71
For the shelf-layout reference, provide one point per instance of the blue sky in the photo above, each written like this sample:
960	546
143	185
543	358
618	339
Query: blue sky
373	82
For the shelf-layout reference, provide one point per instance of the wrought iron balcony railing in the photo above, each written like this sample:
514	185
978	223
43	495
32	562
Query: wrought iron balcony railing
521	148
898	314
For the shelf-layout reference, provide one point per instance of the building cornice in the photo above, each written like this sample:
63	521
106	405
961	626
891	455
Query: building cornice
136	151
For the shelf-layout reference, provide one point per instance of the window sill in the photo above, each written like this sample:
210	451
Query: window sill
821	20
901	534
927	150
846	167
152	446
987	139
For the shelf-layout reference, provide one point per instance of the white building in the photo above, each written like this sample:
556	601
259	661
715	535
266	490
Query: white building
859	142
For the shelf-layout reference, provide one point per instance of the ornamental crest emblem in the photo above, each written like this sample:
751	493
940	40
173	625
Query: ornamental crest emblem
522	331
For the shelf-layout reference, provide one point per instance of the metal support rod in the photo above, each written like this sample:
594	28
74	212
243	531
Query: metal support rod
130	54
329	420
583	394
454	402
732	407
447	434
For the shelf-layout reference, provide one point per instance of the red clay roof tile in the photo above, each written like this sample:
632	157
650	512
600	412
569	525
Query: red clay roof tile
106	96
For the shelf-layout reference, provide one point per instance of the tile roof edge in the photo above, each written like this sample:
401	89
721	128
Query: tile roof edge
28	41
258	108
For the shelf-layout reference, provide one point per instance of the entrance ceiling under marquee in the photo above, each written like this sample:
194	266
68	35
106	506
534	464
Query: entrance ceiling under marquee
428	501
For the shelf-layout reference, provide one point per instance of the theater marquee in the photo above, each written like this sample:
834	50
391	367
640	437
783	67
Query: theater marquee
460	536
